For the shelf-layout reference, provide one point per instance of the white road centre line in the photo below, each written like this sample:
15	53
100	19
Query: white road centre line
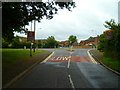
69	62
71	82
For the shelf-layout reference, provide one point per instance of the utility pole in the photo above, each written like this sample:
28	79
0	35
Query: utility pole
119	12
31	25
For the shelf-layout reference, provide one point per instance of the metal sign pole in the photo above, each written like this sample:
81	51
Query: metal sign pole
31	49
30	37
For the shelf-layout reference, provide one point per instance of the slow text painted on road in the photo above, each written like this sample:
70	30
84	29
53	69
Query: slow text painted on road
83	59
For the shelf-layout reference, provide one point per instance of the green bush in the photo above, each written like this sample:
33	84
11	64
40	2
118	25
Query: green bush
4	43
111	47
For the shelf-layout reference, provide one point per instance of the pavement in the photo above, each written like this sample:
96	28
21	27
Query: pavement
65	69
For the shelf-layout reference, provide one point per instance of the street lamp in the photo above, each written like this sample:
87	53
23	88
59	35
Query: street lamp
34	37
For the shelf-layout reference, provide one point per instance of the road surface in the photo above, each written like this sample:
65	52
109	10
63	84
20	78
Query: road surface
65	69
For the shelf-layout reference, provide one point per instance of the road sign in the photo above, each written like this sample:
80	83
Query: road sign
108	34
31	36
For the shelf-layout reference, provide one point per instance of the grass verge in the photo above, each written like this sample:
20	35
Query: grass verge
15	55
111	63
15	61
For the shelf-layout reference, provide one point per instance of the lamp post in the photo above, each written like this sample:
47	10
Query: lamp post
34	38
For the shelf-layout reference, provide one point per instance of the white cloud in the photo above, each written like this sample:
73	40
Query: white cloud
85	20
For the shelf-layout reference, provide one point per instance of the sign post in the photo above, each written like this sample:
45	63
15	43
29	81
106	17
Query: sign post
31	38
70	45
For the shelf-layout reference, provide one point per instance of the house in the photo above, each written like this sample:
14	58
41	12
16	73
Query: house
92	41
75	43
63	43
36	41
22	39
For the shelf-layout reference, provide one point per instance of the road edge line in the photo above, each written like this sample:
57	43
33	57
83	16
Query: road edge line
93	60
47	57
23	73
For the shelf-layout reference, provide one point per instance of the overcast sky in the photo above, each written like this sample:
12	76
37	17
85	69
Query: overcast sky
85	20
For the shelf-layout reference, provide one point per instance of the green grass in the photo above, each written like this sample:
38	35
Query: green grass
15	55
111	63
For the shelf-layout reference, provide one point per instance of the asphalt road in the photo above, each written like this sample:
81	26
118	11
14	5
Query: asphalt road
67	69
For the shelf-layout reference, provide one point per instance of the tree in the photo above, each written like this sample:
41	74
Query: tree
51	42
72	39
101	42
114	44
4	43
39	43
25	43
18	14
110	47
16	42
90	38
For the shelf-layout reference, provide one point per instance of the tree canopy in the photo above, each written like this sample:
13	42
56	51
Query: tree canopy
51	42
18	14
72	39
90	38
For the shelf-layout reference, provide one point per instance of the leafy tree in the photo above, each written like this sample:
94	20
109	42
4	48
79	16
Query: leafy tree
16	42
111	47
39	43
4	43
101	42
72	39
90	38
18	14
51	42
114	44
24	43
116	35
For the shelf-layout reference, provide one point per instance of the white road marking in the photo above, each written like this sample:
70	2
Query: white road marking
71	82
57	58
71	52
48	57
52	58
66	58
69	62
60	58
